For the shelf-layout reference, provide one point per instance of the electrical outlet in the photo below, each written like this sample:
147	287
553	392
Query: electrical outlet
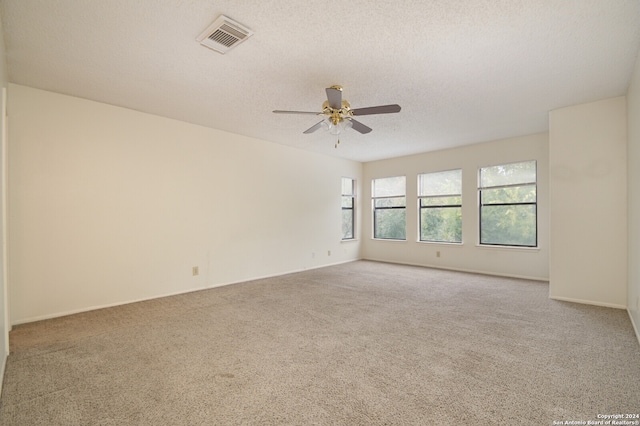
328	252
195	271
438	253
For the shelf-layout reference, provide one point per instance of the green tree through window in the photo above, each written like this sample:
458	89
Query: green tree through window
440	205
508	204
348	208
389	208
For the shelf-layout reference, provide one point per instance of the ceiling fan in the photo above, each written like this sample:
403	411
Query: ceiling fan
338	115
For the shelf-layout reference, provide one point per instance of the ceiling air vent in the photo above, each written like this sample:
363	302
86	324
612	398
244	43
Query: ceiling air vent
224	34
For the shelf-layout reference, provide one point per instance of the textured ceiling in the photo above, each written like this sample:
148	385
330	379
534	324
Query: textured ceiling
463	71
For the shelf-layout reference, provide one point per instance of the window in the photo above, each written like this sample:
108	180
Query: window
389	208
440	205
508	205
348	210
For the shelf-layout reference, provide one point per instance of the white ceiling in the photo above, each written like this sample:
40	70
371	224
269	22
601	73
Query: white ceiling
463	71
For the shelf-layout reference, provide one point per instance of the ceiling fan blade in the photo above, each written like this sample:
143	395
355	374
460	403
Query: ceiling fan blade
313	128
359	127
295	112
382	109
334	96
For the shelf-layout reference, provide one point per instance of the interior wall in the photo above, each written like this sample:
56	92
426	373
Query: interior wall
588	172
109	205
633	170
468	256
4	307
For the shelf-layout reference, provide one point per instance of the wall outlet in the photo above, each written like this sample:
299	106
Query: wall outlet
438	253
328	252
195	271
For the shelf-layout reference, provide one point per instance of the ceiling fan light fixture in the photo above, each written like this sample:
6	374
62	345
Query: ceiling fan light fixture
336	129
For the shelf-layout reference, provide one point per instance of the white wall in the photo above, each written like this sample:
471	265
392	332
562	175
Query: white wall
469	256
588	180
4	308
109	205
633	155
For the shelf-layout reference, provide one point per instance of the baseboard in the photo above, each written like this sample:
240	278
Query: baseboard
295	271
470	271
2	367
111	305
635	326
588	302
96	307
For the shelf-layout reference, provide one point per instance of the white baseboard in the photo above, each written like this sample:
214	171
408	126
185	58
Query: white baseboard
635	326
111	305
2	367
471	271
295	271
96	307
588	302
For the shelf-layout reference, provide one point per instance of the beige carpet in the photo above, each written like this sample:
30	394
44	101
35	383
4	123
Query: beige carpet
363	343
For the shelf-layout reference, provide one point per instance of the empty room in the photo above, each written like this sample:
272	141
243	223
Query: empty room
336	213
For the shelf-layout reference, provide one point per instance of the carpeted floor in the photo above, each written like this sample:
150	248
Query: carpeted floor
363	343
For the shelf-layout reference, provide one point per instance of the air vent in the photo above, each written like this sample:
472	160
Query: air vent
224	34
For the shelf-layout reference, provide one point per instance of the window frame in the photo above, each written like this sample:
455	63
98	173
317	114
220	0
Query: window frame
352	197
437	206
523	203
375	208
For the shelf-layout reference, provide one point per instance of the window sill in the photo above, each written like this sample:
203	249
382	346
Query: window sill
440	243
508	248
389	239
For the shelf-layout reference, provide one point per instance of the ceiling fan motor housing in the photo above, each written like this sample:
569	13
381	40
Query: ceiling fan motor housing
337	115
